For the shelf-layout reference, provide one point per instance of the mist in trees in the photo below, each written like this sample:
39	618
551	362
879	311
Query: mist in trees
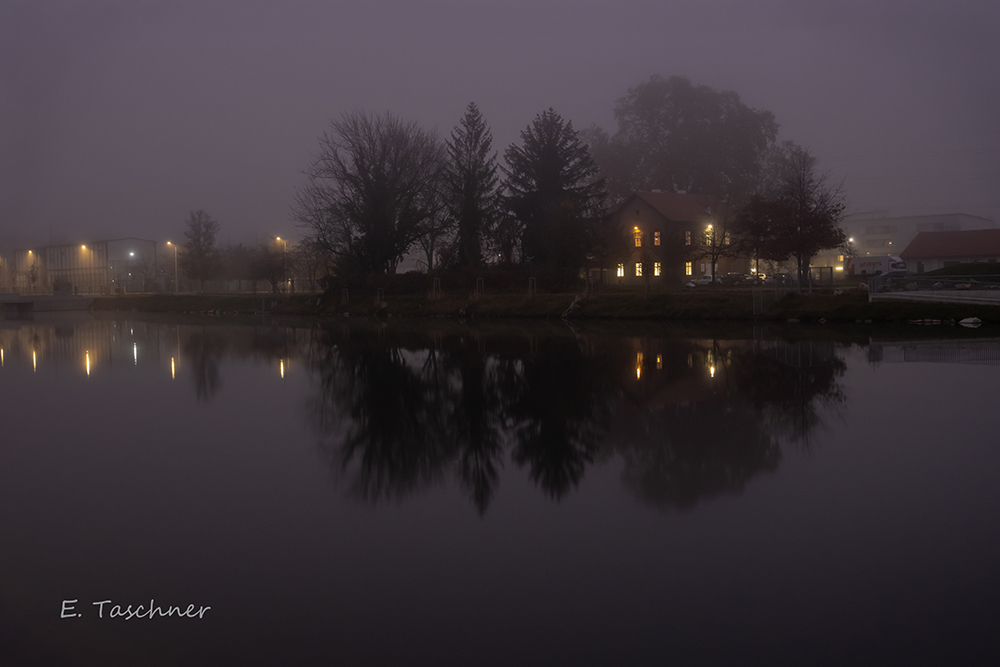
200	259
677	136
795	212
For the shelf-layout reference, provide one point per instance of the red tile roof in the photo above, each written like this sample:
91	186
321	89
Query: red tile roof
968	243
680	208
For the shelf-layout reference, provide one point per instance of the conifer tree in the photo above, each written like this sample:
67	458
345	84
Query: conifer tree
471	186
553	190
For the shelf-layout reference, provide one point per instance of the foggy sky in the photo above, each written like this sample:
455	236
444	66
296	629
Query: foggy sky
118	118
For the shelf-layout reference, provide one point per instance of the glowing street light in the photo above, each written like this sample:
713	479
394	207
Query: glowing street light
284	257
175	265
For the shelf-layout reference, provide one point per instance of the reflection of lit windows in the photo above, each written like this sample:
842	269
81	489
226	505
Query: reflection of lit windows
656	238
621	270
638	269
659	362
638	238
687	238
688	269
638	365
656	268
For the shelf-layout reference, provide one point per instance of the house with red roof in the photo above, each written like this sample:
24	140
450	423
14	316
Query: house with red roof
934	250
666	236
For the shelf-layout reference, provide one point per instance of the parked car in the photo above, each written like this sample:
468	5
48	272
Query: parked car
701	280
779	279
733	279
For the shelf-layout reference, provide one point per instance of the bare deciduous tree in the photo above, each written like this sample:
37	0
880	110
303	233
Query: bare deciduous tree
370	191
200	260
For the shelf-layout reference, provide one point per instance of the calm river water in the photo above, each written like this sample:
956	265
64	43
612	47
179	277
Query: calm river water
497	493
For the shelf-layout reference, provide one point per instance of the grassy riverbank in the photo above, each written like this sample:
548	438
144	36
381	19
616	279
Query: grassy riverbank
622	305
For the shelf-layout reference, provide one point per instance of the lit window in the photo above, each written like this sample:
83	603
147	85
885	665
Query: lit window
687	238
656	268
688	269
656	238
621	270
638	268
659	362
638	238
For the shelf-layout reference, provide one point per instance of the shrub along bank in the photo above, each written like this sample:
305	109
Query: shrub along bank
609	304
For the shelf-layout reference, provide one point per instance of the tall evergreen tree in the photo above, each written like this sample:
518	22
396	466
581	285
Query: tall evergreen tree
553	190
471	180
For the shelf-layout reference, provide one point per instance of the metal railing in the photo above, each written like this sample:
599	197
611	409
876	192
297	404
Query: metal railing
957	289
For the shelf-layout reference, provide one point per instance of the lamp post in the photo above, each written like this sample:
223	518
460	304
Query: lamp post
284	260
83	253
175	265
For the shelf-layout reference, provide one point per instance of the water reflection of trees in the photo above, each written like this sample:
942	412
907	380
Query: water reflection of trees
691	419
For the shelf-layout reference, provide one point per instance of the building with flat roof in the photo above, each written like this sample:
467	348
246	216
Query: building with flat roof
96	267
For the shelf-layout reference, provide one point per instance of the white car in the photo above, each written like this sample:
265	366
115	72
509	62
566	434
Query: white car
701	280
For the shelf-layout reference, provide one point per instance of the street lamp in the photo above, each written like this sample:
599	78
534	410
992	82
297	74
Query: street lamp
175	265
284	259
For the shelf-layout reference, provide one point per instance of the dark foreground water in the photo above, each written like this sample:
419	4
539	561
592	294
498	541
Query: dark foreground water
495	494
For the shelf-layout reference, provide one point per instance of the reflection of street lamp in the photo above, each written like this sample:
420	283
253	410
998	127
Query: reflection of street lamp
175	266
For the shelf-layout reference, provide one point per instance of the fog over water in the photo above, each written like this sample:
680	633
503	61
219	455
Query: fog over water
118	118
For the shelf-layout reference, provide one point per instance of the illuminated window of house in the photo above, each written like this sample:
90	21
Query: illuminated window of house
638	237
621	270
659	362
638	268
687	238
656	268
688	269
656	238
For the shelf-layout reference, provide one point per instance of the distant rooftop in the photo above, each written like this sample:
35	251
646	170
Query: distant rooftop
958	244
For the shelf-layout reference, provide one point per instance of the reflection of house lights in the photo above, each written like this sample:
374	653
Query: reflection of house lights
34	361
1	357
173	369
88	362
135	354
712	371
659	362
638	365
282	365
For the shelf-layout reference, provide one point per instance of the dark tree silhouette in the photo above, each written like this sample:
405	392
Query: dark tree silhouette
552	188
471	186
200	259
370	192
